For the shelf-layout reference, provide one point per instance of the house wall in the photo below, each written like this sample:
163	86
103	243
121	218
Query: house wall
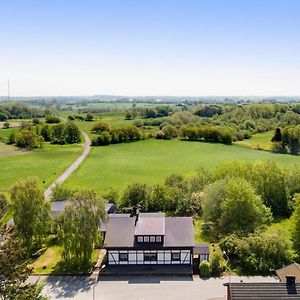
136	257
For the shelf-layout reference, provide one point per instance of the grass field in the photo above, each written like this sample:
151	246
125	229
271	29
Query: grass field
46	164
151	161
50	262
259	141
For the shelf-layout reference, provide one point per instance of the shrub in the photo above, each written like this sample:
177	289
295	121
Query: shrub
89	117
26	139
11	138
170	132
217	263
6	125
102	140
100	127
258	252
204	269
52	119
61	192
35	121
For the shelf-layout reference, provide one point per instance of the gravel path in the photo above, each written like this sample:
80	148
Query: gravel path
73	167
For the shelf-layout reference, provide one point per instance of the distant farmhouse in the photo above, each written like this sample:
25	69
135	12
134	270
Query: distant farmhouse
151	239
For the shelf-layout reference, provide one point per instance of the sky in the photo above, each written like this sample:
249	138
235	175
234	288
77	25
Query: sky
150	47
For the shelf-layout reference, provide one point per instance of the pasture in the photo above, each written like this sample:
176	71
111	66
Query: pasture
46	164
260	141
151	161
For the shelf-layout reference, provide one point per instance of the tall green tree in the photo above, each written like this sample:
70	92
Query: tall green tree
242	210
78	228
72	133
30	212
14	271
136	194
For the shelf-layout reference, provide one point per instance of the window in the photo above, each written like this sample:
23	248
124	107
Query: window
152	239
150	256
140	239
175	256
146	239
123	256
158	239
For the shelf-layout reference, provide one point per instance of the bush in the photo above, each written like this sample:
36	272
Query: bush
11	138
35	121
100	127
6	125
26	139
89	117
102	140
258	253
170	132
61	192
52	119
204	269
217	263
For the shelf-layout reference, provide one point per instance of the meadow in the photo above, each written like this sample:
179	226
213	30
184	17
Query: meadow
261	141
46	164
151	161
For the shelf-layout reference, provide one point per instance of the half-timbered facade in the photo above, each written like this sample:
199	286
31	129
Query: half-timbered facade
148	239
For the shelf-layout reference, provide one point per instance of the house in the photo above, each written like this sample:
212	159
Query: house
148	239
292	269
289	290
57	207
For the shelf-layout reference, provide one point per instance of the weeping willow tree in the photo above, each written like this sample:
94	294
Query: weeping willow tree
79	227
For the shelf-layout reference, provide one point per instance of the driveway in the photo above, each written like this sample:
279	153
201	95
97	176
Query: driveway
73	167
142	288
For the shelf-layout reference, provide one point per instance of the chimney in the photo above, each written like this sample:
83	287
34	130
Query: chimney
290	280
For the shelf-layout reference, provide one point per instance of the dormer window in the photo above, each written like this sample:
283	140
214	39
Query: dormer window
140	239
152	239
146	239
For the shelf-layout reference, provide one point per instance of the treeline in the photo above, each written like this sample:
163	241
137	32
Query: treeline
30	137
19	111
206	134
241	120
107	135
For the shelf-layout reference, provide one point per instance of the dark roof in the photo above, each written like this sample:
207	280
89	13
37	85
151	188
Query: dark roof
292	269
150	224
263	291
121	230
201	249
179	232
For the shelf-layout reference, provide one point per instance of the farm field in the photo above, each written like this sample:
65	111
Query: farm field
151	161
46	164
259	141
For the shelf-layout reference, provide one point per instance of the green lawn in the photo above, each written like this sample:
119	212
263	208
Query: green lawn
151	161
50	262
259	141
46	164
